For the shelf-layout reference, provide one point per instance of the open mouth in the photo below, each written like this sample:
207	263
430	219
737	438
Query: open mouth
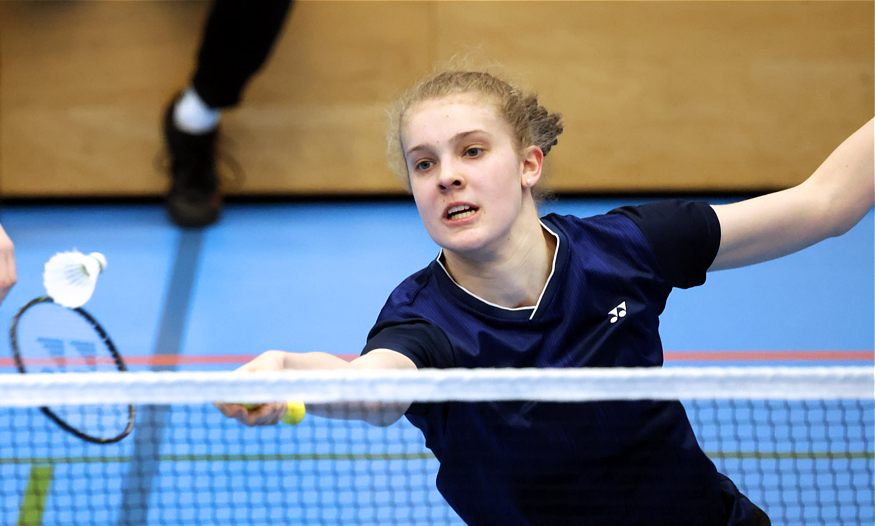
455	213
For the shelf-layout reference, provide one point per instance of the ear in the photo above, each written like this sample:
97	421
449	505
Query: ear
531	163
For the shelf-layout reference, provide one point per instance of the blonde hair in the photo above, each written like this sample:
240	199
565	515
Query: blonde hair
530	122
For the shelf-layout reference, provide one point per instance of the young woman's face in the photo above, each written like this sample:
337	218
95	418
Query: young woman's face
467	176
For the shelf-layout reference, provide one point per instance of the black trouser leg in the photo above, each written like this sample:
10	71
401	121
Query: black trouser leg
237	41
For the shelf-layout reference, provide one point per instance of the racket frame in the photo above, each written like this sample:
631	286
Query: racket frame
107	341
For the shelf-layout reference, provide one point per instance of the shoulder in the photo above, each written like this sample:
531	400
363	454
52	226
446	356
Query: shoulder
420	297
664	215
671	215
412	290
409	322
611	233
684	237
678	238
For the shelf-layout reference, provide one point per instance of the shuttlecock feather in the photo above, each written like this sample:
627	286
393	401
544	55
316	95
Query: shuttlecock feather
70	277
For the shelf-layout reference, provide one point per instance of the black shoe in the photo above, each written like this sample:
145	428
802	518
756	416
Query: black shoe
194	199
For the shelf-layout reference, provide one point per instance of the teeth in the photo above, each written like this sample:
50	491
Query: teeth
460	212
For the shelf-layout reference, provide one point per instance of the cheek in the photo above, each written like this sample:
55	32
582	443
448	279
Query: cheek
507	192
505	180
421	199
418	191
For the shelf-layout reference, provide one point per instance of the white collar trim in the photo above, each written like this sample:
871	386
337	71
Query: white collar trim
534	308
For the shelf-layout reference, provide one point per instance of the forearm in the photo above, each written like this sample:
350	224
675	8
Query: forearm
831	201
373	413
845	182
7	264
312	360
271	413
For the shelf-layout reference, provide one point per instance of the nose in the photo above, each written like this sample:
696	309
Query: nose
450	178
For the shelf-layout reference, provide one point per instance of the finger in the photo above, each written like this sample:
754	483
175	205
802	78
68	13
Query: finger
265	414
231	410
7	273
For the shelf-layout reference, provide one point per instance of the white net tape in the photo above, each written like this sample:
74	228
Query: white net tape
338	385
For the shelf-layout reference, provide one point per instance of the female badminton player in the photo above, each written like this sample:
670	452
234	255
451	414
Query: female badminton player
512	289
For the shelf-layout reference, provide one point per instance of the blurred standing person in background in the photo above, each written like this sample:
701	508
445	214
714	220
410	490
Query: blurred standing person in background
235	44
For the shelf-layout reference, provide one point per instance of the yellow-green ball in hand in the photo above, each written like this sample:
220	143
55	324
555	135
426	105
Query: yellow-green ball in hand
295	412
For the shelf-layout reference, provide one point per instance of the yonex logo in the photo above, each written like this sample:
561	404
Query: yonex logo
618	312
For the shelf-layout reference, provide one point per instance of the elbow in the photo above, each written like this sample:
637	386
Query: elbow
382	414
841	229
839	210
382	421
840	216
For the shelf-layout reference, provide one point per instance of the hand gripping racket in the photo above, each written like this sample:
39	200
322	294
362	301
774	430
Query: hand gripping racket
48	338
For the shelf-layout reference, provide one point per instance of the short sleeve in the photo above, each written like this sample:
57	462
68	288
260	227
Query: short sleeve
425	344
683	235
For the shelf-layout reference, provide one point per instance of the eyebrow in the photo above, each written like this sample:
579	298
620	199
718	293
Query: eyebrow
456	138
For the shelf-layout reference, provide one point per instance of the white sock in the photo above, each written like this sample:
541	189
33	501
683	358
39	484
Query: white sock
192	115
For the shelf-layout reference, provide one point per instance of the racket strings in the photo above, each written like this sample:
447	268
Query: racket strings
49	338
56	339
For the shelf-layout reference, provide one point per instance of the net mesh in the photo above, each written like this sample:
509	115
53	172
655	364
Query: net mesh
800	443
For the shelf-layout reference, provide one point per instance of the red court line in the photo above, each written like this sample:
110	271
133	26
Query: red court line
867	356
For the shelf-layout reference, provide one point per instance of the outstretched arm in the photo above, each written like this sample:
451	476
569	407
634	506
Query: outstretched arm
7	264
377	414
836	196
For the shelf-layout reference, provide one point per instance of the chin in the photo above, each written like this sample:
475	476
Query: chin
467	247
467	241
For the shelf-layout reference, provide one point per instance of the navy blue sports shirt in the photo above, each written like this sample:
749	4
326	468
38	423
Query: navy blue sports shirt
598	463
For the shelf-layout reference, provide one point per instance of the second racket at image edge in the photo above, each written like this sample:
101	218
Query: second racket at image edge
46	337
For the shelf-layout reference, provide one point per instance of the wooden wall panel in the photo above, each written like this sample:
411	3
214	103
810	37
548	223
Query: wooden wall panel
659	96
682	95
315	122
81	90
83	85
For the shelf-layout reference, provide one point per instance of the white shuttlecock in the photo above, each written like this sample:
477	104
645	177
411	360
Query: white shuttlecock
70	277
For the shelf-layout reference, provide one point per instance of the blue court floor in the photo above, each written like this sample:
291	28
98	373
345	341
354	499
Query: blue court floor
313	276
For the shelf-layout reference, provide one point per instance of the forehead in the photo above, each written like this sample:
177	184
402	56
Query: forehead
439	119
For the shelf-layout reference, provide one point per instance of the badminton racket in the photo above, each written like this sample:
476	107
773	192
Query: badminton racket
48	338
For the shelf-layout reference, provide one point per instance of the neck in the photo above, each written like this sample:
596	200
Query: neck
513	276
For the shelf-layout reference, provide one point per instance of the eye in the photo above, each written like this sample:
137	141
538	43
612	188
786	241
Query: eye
473	151
424	165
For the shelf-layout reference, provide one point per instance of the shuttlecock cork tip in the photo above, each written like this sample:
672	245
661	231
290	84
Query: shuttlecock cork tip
101	259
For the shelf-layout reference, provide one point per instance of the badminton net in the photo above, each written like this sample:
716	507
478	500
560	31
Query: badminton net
797	441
